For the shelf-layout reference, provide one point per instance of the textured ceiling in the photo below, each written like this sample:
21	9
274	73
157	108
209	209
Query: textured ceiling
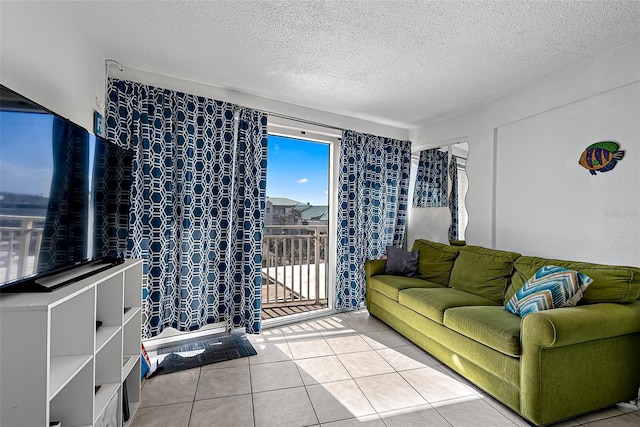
400	63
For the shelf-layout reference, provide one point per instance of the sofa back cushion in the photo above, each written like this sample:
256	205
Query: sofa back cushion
483	271
435	260
611	283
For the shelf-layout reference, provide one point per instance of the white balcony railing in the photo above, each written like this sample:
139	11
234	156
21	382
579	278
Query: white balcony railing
20	240
294	267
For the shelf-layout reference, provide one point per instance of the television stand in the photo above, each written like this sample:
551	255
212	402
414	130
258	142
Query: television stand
59	346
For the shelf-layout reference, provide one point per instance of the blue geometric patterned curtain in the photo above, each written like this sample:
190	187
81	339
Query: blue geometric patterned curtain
453	199
111	188
373	192
430	190
197	204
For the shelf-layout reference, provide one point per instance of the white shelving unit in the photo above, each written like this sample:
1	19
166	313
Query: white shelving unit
57	365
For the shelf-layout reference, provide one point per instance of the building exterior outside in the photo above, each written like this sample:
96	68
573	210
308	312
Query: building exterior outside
284	211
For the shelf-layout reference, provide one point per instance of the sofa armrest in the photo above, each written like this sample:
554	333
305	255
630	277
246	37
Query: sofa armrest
571	325
373	267
575	359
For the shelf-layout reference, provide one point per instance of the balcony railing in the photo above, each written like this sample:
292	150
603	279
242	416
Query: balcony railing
294	265
20	240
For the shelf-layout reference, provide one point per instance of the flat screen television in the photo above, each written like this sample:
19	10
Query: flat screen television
64	197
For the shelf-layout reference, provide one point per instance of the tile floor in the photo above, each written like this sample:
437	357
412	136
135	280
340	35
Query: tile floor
348	369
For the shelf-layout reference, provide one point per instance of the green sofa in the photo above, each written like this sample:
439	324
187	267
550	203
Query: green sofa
547	366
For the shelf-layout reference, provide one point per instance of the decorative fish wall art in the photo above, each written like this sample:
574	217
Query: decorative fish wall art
601	156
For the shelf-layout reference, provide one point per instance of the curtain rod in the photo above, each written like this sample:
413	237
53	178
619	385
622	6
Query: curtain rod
296	119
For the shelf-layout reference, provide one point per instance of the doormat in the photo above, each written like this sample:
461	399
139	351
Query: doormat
203	352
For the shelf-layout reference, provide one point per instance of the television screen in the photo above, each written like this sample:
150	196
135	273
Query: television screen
64	193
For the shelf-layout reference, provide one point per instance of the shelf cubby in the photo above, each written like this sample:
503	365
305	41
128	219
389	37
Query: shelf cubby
63	369
132	384
131	335
109	306
102	398
72	324
72	406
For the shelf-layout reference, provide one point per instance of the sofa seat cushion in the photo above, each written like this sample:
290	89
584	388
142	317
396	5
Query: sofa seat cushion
432	303
611	283
483	271
491	326
389	285
435	260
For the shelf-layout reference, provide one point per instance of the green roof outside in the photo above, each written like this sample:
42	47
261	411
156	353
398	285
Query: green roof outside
315	212
283	201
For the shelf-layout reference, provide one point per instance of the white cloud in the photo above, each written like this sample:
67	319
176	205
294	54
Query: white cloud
302	181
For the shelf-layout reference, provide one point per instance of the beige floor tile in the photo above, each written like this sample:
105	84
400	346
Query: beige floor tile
406	358
176	415
384	339
223	382
507	412
233	363
339	400
389	392
323	324
274	376
635	414
357	314
289	407
269	352
322	370
234	411
365	324
364	364
459	378
471	412
178	387
417	416
267	336
436	386
347	344
300	330
332	325
366	421
305	348
620	421
599	415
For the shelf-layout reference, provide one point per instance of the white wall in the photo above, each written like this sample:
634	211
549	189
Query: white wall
526	146
46	59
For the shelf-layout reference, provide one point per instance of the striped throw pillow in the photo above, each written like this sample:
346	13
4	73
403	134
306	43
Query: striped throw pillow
550	287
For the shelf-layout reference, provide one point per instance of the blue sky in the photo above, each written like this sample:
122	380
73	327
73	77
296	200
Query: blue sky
25	153
298	170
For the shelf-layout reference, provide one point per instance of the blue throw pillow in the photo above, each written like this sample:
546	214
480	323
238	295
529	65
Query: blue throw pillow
550	287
